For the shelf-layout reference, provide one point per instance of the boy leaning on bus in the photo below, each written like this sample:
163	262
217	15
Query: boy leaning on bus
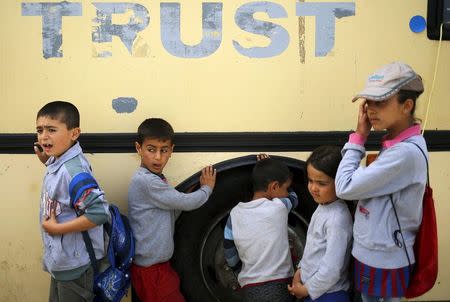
65	255
153	207
256	241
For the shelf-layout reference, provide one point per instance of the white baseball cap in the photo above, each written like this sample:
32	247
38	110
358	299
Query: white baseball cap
390	79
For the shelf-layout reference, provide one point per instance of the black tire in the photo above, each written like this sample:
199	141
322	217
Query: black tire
198	256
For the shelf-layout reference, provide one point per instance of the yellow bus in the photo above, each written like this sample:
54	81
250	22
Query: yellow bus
234	78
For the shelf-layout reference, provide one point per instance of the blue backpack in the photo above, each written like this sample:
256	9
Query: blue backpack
111	284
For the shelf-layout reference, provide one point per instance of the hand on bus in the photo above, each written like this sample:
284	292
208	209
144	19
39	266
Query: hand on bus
364	126
40	153
262	156
208	177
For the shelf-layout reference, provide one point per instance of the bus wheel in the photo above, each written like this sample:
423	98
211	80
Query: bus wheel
199	258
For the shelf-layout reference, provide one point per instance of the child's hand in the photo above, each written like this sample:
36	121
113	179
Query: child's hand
208	177
262	156
297	277
298	289
364	126
40	153
50	225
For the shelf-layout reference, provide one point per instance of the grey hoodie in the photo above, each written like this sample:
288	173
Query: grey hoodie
399	171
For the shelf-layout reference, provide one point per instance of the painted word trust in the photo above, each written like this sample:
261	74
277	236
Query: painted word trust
325	14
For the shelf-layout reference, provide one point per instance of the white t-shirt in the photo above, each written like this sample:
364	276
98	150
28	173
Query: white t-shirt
260	232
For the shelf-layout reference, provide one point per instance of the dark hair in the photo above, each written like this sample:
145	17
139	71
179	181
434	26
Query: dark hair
404	95
65	112
155	128
267	171
325	159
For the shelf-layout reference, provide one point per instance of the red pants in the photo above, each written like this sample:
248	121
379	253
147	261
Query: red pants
156	283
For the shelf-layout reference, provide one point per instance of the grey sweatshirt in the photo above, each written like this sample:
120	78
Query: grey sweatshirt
399	171
324	265
152	209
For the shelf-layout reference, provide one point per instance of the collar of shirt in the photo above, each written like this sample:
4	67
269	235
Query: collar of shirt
163	178
407	133
54	164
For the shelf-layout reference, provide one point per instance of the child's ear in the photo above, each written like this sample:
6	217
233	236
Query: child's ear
138	147
273	186
75	133
408	106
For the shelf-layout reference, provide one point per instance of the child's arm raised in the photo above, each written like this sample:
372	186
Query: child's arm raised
363	127
40	153
230	250
291	202
208	177
150	188
262	156
390	173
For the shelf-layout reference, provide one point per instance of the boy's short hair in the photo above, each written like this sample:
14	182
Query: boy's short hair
325	159
65	112
156	128
267	171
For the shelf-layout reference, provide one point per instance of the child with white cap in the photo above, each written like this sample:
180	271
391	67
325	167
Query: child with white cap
398	176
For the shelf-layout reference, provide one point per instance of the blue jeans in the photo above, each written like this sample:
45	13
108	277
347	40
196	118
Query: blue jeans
340	296
367	298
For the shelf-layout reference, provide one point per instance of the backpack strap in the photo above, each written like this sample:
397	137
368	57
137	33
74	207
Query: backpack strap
426	160
397	242
80	183
90	249
399	231
110	248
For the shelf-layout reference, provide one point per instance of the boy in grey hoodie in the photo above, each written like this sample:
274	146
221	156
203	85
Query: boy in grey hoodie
65	255
153	207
